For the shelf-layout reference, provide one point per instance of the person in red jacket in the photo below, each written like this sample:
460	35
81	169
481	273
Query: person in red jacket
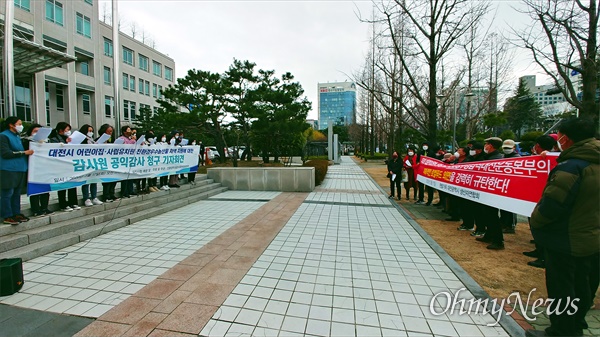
410	165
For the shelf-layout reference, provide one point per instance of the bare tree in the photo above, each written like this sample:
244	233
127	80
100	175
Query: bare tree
563	40
106	14
433	28
134	29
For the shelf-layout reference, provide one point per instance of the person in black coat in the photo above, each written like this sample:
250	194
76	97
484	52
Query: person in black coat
425	152
394	167
488	214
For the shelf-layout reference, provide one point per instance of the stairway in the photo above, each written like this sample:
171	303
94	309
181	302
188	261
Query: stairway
43	235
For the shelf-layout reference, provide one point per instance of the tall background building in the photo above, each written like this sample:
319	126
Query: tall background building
78	87
337	103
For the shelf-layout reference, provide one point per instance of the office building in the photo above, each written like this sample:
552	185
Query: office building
337	104
543	94
74	78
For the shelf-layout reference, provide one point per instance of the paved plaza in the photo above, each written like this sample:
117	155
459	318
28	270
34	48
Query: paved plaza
341	261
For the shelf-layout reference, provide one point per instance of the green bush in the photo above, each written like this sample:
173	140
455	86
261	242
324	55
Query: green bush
317	158
375	156
320	166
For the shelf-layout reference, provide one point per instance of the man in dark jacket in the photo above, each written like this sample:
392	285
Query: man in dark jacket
488	214
394	167
475	154
425	152
566	222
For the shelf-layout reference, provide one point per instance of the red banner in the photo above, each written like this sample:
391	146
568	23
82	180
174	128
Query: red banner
514	184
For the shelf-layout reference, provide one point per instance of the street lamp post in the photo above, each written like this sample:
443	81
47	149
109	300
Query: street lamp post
469	95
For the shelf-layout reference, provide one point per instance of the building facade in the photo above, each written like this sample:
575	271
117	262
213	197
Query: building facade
81	92
337	104
543	94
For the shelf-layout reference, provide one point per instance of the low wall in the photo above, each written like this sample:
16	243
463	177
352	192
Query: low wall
284	179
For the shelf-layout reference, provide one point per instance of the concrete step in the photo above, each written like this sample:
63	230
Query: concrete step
66	229
53	205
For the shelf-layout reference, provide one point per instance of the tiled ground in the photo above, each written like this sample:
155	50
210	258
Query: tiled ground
345	270
91	277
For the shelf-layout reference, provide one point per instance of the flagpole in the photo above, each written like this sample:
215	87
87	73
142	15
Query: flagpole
8	61
116	68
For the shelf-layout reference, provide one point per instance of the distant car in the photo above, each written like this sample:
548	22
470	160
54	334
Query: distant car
213	153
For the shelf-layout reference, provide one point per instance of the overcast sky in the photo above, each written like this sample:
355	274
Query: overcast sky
317	41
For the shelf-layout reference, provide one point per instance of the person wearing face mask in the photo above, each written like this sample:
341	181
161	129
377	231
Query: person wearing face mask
127	184
472	219
39	202
61	134
88	131
164	180
13	171
566	222
192	175
509	219
426	152
394	167
175	140
108	189
410	163
488	214
151	139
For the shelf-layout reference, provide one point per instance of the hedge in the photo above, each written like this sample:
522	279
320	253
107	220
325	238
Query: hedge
320	166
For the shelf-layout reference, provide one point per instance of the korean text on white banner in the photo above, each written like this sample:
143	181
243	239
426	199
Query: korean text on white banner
514	184
54	167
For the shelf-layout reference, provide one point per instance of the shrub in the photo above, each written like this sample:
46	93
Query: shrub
320	169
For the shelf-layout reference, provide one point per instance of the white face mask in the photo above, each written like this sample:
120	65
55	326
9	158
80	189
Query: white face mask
163	139
90	134
507	151
559	145
472	152
19	128
425	147
193	143
67	133
33	134
484	150
411	153
456	154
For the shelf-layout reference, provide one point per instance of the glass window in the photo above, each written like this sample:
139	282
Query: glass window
154	90
84	68
125	109
141	86
23	4
83	25
127	56
60	99
143	62
107	76
160	95
132	110
125	81
157	68
131	83
108	106
108	47
23	100
168	73
86	104
54	12
147	88
91	2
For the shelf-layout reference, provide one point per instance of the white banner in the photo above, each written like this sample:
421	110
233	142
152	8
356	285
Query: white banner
54	167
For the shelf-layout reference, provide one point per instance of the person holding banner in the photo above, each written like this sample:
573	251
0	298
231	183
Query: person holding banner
164	180
488	214
127	184
509	219
88	131
394	167
39	202
426	153
566	222
61	134
13	169
476	154
410	164
108	189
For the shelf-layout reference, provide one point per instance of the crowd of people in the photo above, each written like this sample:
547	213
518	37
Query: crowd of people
15	149
486	223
